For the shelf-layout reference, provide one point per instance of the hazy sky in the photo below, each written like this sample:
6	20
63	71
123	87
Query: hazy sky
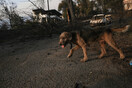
26	6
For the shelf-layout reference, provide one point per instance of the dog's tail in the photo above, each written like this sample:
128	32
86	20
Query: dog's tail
123	29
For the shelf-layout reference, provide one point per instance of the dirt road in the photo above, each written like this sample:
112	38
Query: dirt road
43	64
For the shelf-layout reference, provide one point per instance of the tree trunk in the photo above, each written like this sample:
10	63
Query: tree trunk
71	8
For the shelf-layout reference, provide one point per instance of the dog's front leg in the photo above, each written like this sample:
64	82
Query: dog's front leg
85	54
72	50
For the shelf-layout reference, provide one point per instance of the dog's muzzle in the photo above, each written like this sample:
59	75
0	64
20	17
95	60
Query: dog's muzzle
63	44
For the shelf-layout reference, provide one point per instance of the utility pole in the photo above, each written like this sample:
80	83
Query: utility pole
48	4
48	17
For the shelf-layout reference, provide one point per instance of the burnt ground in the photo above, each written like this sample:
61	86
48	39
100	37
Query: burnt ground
43	64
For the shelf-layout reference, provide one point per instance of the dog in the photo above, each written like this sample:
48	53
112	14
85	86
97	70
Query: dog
84	37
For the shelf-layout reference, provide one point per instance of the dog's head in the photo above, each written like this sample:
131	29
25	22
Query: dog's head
65	38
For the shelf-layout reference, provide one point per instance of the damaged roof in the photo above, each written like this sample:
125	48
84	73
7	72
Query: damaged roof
49	12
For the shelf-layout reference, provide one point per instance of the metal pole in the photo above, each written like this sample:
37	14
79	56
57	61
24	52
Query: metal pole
48	4
48	19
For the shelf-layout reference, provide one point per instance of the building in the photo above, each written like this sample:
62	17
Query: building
41	15
127	4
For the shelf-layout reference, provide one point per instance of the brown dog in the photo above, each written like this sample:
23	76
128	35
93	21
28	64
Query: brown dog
85	37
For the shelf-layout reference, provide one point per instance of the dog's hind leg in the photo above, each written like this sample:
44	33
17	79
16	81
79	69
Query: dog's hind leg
110	41
103	51
72	50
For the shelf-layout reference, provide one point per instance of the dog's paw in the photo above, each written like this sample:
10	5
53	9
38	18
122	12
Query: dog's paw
69	56
100	57
84	59
122	57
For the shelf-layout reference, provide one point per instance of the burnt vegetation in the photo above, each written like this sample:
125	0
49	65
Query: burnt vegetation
74	13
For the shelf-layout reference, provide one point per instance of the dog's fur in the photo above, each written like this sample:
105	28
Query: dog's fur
85	37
